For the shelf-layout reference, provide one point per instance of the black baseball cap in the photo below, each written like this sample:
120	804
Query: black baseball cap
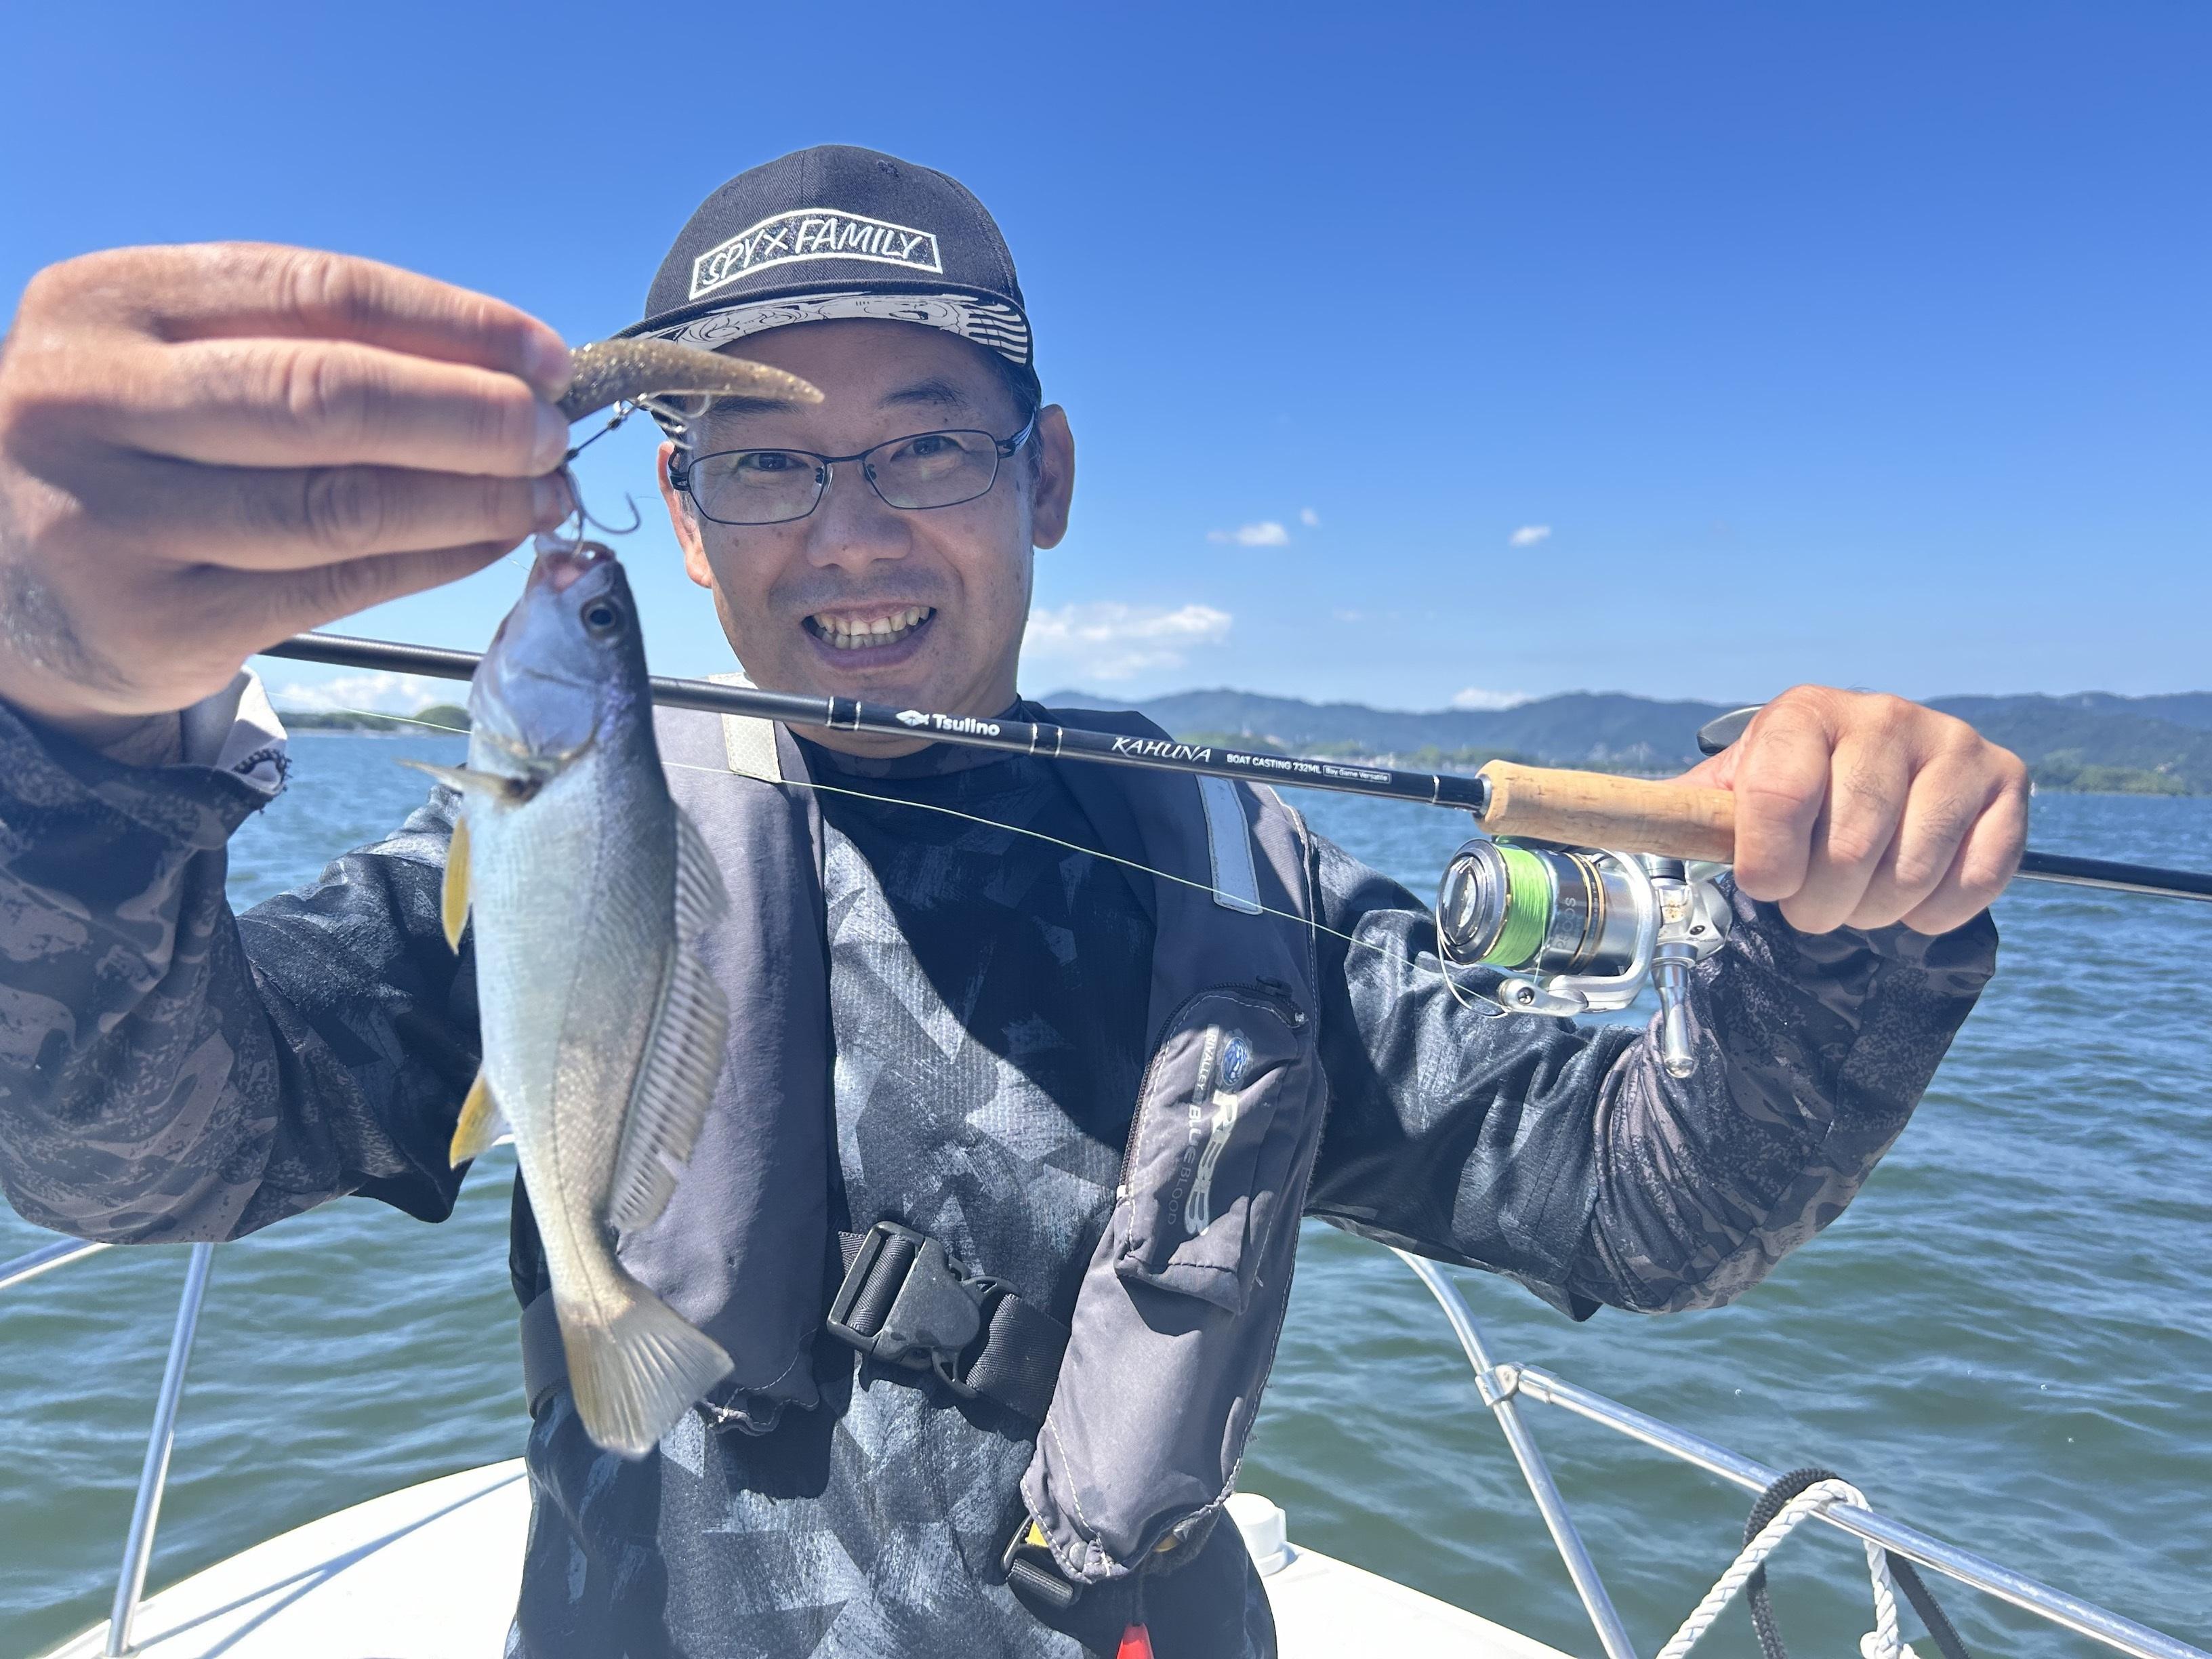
837	232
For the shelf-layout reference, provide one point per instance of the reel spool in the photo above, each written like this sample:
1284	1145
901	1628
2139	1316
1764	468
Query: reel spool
1582	930
1554	910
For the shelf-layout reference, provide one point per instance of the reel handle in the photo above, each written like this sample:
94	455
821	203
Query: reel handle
1596	809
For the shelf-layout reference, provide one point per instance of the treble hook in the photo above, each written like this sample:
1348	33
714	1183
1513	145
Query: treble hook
584	519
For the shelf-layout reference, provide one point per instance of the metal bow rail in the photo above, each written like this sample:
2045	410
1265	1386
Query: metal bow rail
1503	1386
153	1472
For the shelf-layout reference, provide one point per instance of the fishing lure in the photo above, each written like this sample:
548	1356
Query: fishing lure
610	372
628	375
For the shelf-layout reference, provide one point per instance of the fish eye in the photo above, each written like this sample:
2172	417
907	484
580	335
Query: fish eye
603	616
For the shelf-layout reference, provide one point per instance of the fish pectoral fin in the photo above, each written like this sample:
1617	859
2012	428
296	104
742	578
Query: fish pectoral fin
700	898
481	1126
453	901
683	1054
674	1086
636	1375
464	780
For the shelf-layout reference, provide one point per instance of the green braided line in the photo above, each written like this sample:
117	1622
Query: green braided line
1528	908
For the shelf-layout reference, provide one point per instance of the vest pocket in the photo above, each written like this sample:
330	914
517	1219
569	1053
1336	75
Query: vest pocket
1216	1130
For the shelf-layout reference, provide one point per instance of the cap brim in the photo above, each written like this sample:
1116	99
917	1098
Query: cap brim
985	319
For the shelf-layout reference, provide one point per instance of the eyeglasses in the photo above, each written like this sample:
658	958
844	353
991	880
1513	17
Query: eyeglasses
913	474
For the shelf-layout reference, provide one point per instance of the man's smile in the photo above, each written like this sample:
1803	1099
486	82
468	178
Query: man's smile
869	638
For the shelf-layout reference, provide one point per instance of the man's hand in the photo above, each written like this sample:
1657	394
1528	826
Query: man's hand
1855	809
204	449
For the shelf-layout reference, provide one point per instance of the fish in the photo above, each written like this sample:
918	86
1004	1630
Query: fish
609	372
587	892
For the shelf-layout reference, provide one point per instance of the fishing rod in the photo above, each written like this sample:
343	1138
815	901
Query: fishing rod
1691	827
1585	888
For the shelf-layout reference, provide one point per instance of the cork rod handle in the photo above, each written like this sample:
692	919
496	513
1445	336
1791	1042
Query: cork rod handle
1595	809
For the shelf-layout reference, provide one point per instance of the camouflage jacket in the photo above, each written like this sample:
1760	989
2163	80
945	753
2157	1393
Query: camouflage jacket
170	1070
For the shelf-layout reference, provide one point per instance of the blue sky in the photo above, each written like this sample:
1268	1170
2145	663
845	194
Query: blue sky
1861	343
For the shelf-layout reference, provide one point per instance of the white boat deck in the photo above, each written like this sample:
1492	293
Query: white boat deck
430	1573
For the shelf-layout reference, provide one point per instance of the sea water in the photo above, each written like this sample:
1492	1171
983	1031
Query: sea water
2007	1340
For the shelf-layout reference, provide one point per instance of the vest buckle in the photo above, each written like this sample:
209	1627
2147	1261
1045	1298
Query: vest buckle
1028	1562
905	1302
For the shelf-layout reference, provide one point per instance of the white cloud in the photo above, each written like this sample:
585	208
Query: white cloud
1109	640
1475	697
1529	535
378	694
1268	533
1309	518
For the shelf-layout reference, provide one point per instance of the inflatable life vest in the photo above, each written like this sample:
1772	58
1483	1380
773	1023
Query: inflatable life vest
1142	1403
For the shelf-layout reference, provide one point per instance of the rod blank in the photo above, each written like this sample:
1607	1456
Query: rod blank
1472	794
1017	736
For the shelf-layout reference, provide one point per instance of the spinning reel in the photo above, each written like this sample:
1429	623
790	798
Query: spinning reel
1581	930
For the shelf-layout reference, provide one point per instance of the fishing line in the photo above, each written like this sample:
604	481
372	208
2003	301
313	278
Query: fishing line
1492	1010
1481	1004
574	450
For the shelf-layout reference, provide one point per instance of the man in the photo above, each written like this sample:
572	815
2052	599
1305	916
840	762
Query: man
203	449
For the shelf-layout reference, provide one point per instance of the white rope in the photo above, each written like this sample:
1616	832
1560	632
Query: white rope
1883	1642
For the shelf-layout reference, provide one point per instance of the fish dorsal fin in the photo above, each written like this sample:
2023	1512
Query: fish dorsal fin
453	903
464	780
683	1055
481	1125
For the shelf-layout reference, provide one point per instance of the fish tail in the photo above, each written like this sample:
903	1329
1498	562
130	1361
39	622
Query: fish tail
635	1376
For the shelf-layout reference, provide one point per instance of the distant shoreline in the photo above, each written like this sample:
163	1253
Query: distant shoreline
2091	743
291	729
438	719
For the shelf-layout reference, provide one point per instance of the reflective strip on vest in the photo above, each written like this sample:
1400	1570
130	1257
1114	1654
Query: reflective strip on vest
1229	838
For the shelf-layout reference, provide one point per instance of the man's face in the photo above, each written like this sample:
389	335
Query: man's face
787	593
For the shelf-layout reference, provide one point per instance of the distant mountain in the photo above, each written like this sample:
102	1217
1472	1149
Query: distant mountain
2090	740
2190	708
2098	731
